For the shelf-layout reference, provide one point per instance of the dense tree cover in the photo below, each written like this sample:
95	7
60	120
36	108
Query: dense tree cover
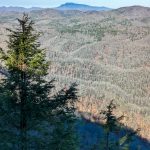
117	67
31	115
28	110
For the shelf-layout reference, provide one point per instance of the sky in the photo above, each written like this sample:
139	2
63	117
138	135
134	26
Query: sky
55	3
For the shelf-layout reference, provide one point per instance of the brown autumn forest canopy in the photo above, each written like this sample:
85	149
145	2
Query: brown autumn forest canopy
106	53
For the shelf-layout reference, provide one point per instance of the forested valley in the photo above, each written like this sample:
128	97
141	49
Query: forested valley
73	80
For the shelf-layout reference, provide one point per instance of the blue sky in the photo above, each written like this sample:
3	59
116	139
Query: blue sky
54	3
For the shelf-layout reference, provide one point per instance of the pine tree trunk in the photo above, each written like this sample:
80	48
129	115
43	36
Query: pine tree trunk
23	95
107	141
23	115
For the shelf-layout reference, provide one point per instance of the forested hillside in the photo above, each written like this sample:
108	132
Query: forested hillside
106	53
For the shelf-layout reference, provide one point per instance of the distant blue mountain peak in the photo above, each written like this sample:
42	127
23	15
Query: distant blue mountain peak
81	7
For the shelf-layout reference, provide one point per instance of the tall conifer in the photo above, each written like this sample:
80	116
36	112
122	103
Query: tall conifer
24	92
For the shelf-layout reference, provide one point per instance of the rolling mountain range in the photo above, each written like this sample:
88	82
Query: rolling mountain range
107	53
66	6
81	7
18	9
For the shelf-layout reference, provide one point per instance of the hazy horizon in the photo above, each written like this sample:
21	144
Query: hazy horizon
52	4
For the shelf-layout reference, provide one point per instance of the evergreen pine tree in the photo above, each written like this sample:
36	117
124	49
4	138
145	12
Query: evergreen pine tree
64	136
25	100
112	124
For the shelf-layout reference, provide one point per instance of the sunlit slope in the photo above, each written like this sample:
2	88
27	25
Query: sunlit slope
106	53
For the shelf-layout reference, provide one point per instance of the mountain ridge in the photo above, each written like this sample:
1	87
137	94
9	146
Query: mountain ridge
18	9
82	7
75	7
